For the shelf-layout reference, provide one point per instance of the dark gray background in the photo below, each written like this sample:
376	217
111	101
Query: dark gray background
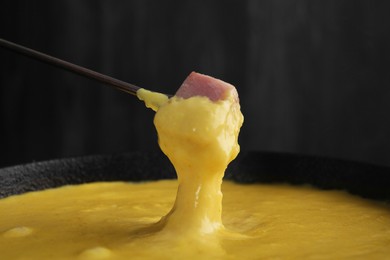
313	75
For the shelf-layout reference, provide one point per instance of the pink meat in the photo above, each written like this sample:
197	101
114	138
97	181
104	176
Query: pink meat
197	84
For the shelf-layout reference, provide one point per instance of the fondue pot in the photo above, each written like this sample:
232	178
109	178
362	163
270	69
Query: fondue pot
366	180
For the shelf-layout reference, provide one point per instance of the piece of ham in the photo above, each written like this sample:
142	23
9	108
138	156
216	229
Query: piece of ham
197	84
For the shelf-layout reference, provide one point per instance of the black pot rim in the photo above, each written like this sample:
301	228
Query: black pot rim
366	180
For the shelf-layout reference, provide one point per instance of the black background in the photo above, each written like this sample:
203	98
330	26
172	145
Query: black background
313	75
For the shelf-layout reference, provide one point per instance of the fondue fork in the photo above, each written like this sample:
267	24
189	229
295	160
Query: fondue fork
116	83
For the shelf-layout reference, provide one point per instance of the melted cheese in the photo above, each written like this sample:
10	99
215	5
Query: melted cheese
200	139
153	100
113	221
123	220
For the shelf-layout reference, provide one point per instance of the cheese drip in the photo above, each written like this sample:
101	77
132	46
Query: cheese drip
153	100
200	139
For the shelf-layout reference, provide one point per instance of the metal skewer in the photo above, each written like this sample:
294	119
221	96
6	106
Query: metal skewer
116	83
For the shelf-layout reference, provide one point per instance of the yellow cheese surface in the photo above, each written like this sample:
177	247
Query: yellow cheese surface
183	219
112	221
